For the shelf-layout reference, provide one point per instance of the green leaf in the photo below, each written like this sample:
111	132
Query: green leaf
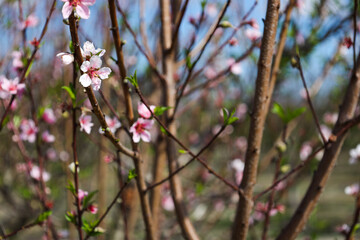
182	151
71	47
232	120
29	69
160	110
188	62
203	4
72	93
71	188
43	216
228	118
133	80
199	188
87	199
40	112
278	110
297	112
132	174
70	217
17	120
225	114
163	130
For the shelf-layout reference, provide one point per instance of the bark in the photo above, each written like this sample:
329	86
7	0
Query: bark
309	201
169	91
261	98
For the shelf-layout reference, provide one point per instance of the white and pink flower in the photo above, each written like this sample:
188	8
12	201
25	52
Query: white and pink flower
253	34
36	173
80	6
93	74
140	130
49	116
238	166
47	137
11	87
235	67
144	111
89	50
17	60
112	123
85	123
82	194
354	154
305	151
30	21
93	208
352	190
28	130
66	58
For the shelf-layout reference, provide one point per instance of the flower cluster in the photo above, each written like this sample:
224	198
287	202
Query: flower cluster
91	67
140	129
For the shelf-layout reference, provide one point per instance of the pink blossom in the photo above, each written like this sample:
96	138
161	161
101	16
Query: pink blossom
12	86
108	159
93	74
305	151
144	111
241	111
347	42
82	194
210	72
354	154
30	21
17	62
112	123
330	118
93	208
140	130
80	6
66	58
233	42
344	229
3	94
352	190
326	131
167	203
253	34
241	143
28	130
49	116
235	67
89	50
47	137
85	123
254	23
211	9
238	166
51	154
36	173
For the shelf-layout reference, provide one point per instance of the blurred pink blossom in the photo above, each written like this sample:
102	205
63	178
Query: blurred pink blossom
144	111
28	130
17	60
211	9
140	130
238	166
330	118
80	6
233	42
85	123
305	150
352	190
112	123
36	173
253	34
30	21
47	137
93	208
12	87
49	116
235	67
167	203
82	194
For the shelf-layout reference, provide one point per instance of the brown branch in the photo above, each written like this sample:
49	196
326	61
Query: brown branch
350	234
308	98
355	30
30	225
193	155
178	22
261	98
140	181
28	63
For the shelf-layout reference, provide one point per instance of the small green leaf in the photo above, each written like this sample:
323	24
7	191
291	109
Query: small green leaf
133	80
71	188
232	120
225	114
71	47
278	110
160	110
29	69
163	130
188	62
132	174
87	199
199	188
17	120
70	217
182	151
40	112
43	216
72	93
203	4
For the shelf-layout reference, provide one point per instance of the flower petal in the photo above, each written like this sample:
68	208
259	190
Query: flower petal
145	136
83	11
85	80
96	82
89	47
95	62
66	10
85	66
136	137
104	72
88	2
